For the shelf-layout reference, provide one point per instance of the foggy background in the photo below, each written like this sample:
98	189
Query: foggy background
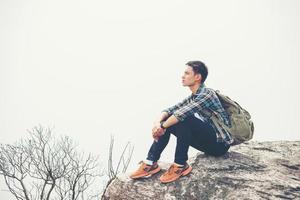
94	68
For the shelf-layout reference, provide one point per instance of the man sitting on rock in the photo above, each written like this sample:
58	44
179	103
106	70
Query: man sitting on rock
189	123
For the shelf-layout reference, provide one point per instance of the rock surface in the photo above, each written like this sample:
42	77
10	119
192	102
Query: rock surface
254	170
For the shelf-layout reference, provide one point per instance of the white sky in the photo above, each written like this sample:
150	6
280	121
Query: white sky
95	68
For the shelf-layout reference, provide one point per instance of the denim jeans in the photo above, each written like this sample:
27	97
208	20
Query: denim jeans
190	132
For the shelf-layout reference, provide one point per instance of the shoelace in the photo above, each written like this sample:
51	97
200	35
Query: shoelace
172	168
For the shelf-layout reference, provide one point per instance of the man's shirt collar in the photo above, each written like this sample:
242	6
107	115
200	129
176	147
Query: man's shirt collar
199	89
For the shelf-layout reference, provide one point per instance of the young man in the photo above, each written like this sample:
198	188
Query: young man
190	123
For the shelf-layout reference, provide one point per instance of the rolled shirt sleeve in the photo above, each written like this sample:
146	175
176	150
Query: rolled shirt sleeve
172	109
202	101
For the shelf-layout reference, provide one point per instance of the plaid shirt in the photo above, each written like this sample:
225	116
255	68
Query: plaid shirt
204	101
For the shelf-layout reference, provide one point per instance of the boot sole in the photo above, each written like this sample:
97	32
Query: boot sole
187	171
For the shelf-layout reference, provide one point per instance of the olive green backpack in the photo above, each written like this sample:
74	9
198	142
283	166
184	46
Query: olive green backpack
242	127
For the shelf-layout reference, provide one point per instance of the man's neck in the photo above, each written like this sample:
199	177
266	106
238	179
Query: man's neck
195	87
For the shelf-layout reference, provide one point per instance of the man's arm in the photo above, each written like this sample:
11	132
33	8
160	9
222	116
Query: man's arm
202	101
161	117
157	131
170	121
168	112
172	109
167	115
188	108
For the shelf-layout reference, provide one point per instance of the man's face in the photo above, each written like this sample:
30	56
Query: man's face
189	78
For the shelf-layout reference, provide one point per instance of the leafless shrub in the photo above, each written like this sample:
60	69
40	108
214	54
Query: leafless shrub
121	165
45	167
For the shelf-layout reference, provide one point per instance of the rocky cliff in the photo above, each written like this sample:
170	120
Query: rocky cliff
254	170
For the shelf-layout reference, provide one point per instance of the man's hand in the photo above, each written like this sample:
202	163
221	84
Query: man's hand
169	121
159	132
156	127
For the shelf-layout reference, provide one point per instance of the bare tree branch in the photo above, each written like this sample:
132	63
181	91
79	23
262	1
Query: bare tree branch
45	167
123	161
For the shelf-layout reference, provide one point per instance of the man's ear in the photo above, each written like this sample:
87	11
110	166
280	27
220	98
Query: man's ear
198	77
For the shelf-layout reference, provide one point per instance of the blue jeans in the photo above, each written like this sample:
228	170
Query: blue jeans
190	132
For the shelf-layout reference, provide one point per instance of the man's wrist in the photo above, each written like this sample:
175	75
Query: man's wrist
162	125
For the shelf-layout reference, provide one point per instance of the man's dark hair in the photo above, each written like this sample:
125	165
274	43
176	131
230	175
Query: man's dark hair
199	68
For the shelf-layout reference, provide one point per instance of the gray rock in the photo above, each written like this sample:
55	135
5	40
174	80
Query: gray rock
254	170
